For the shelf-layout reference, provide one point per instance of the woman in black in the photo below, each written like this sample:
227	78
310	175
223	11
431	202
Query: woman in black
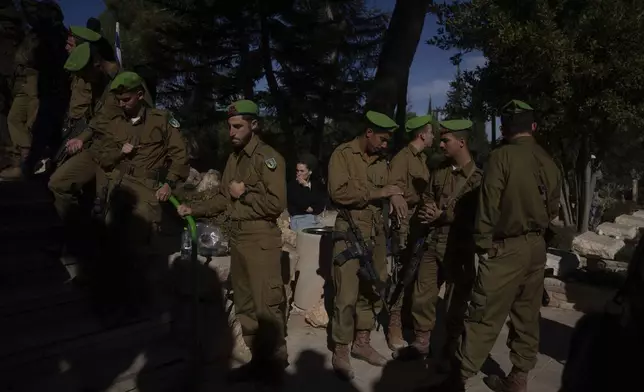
306	196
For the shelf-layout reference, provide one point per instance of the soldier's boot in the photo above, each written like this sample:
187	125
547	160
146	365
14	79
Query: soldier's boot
417	350
395	339
16	172
341	361
516	381
362	350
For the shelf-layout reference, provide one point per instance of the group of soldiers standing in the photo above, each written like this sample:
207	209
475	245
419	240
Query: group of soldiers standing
132	157
460	214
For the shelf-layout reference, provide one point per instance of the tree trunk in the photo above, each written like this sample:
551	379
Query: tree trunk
399	48
493	141
635	189
401	114
585	192
567	209
245	79
281	102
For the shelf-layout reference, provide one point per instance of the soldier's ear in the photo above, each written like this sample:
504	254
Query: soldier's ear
254	125
534	126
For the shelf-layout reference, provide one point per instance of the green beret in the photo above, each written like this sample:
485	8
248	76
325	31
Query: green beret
455	125
381	121
240	108
78	58
515	106
84	33
418	122
126	81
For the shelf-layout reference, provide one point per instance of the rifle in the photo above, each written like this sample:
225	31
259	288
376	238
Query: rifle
358	249
72	129
416	253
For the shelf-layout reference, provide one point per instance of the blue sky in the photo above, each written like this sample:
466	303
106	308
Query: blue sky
430	74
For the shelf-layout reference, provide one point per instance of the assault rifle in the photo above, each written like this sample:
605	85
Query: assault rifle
408	273
359	249
72	129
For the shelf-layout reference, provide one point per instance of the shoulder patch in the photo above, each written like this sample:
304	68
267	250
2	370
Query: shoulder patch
271	163
173	122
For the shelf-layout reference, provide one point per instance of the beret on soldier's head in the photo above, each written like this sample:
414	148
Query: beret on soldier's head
78	58
381	121
418	122
243	107
126	81
515	107
84	33
448	126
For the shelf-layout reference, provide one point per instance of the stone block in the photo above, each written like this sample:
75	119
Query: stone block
578	296
592	244
639	214
617	230
562	263
630	220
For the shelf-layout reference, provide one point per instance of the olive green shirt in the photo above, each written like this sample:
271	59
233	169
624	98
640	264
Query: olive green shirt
409	172
263	172
354	177
156	142
458	202
510	201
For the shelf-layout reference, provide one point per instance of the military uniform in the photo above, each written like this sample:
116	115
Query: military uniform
519	196
449	254
81	168
354	177
256	240
24	107
409	172
134	178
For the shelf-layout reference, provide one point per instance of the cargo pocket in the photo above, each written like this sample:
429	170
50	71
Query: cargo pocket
273	293
476	308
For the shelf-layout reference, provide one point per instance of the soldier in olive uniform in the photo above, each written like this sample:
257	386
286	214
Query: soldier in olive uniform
409	172
518	199
24	107
134	151
80	168
80	101
448	208
358	182
253	188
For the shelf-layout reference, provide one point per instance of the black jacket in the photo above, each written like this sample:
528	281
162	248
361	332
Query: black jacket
300	198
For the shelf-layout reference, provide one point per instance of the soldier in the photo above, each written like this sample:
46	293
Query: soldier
24	107
448	207
80	169
409	172
134	151
81	98
37	84
254	189
518	199
358	178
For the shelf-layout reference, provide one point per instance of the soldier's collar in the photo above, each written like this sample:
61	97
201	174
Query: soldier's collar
355	146
522	140
249	149
141	116
465	169
414	150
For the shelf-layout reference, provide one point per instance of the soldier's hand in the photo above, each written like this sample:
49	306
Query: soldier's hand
236	189
309	210
390	190
127	148
184	210
428	213
74	145
400	206
164	192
